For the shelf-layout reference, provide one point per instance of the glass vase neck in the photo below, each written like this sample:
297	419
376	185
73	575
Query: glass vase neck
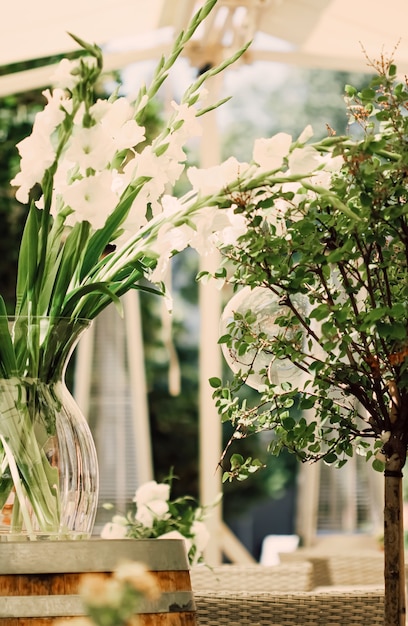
40	347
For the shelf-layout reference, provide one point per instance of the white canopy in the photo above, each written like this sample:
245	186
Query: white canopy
314	33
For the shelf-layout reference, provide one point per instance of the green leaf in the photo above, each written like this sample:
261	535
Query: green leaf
376	314
94	50
330	458
396	330
320	312
337	255
236	460
87	310
215	382
378	465
8	363
307	403
70	261
288	423
350	91
27	261
224	338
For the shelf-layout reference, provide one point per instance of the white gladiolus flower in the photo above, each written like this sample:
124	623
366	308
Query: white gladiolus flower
321	178
303	160
112	114
37	151
174	161
150	165
211	180
170	205
130	134
269	153
64	76
161	171
169	240
323	168
90	148
37	155
191	126
58	104
91	199
215	228
331	163
116	119
306	134
235	226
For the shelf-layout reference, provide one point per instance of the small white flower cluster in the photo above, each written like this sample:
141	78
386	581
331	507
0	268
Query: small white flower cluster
156	516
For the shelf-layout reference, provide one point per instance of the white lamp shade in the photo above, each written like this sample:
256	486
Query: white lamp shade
264	365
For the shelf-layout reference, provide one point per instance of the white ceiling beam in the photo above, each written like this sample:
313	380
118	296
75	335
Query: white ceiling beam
40	77
318	61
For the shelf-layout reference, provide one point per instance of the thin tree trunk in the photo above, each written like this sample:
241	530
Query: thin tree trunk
394	562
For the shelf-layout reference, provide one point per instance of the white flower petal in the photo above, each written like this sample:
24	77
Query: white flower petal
269	153
151	491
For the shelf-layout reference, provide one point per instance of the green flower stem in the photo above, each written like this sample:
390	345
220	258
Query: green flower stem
332	199
20	513
39	479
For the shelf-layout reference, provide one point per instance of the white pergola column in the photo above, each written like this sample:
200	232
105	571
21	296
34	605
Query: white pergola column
210	432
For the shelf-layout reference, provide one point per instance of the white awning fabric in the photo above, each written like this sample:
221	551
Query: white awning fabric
329	34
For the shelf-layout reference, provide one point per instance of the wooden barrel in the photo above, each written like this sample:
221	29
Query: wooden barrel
39	580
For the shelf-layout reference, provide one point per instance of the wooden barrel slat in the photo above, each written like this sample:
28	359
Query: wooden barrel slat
33	596
61	584
158	619
39	584
165	619
173	580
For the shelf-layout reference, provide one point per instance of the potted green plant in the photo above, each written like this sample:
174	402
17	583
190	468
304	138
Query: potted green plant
320	314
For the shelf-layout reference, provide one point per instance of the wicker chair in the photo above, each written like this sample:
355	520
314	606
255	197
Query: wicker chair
289	609
282	577
345	568
356	569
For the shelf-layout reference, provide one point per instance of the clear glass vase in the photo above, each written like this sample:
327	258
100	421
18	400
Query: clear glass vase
48	462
